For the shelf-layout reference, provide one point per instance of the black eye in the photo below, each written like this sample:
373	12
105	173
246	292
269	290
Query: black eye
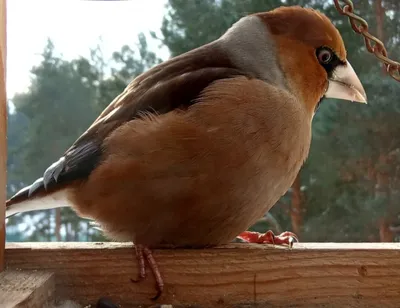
328	59
324	56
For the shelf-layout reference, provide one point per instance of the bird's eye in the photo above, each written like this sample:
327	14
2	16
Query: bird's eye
324	56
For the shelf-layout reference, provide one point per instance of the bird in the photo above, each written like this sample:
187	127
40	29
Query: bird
199	147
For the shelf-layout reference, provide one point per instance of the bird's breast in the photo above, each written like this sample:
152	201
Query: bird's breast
199	177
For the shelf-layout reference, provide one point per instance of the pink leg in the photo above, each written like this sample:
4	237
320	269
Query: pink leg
269	237
140	259
156	272
141	252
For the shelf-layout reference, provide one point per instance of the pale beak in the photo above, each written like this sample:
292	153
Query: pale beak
344	84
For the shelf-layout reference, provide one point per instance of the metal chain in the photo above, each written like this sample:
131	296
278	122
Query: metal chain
373	44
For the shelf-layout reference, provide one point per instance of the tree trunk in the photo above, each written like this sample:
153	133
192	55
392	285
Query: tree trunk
380	15
87	231
296	211
68	232
385	234
382	189
383	179
58	224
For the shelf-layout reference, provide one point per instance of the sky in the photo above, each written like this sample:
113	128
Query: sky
74	26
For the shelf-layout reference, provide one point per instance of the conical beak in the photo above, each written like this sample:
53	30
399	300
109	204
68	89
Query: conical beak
344	84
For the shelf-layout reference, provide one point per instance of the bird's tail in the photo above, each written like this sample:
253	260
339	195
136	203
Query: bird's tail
36	197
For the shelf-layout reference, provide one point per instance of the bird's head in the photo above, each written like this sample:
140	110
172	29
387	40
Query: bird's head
312	55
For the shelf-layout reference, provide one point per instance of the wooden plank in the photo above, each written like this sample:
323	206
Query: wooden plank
3	128
237	275
26	289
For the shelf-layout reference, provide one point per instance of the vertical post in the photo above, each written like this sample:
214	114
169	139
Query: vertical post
380	16
3	129
383	180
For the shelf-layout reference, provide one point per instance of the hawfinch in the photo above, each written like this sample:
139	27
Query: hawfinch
195	150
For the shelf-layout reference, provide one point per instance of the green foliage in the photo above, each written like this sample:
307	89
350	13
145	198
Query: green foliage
59	108
349	144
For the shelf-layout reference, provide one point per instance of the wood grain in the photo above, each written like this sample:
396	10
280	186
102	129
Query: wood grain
26	289
239	275
3	128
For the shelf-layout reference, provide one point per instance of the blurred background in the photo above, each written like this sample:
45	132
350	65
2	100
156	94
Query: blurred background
67	60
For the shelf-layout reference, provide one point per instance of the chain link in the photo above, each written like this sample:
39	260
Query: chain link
373	44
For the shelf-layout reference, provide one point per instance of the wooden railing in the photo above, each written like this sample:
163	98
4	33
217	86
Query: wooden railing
237	275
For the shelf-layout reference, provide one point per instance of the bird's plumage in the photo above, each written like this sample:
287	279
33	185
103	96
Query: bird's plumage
306	26
185	137
171	85
196	149
159	91
182	170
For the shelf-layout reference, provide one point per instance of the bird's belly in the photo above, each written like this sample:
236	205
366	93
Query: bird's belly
200	189
235	212
210	209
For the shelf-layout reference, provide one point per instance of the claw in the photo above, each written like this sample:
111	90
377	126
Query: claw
285	238
159	292
154	268
141	253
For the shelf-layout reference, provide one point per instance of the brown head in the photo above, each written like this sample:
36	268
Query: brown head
297	48
312	55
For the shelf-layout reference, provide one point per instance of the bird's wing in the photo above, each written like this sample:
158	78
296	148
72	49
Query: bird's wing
174	84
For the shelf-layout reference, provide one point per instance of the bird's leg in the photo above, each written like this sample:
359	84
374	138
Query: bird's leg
269	237
140	259
141	253
154	268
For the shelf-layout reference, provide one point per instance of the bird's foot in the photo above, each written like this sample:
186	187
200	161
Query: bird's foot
143	252
285	238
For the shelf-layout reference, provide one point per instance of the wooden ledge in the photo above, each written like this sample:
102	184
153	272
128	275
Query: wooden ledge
237	275
20	289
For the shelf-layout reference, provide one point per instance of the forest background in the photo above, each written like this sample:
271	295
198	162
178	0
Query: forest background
349	188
